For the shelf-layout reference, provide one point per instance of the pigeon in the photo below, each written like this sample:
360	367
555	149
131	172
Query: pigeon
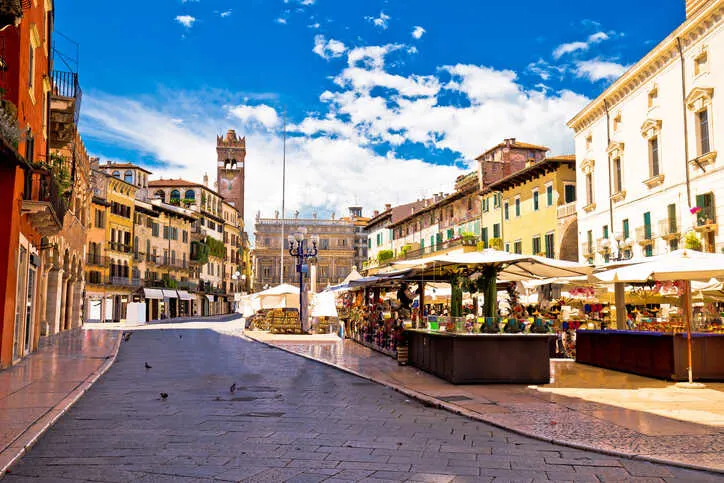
180	336
147	366
127	336
232	388
164	396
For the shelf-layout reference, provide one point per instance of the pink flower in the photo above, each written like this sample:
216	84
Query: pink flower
695	209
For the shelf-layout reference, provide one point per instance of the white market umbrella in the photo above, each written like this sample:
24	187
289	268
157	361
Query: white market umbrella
353	275
685	265
497	264
324	305
281	296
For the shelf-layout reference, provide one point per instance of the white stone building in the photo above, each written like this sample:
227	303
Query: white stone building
648	173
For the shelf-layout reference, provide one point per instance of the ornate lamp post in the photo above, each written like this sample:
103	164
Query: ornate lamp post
299	249
623	248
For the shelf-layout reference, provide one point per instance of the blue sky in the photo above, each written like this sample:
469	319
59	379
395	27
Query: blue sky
386	100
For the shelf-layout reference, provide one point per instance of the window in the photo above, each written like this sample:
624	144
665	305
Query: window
605	231
100	219
653	97
626	230
154	229
654	156
702	131
190	195
128	176
706	214
324	244
470	203
505	210
549	195
160	195
518	247
617	175
496	230
496	200
117	174
486	204
536	245
589	189
700	63
550	249
165	232
484	236
31	67
536	203
507	247
185	236
517	206
175	195
569	193
648	250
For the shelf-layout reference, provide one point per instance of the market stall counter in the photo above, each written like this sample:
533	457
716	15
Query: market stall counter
661	355
481	358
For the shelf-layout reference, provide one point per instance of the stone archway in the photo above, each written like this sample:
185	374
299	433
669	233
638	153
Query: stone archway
568	247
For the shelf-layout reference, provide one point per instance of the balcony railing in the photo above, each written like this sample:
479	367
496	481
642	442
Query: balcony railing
187	285
124	281
119	247
65	84
95	260
645	235
566	210
42	202
163	261
669	228
706	219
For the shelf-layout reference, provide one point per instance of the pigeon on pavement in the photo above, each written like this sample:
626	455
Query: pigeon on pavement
164	395
232	388
147	366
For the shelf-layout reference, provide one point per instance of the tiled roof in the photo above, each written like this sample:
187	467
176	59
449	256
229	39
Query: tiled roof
516	144
173	182
123	165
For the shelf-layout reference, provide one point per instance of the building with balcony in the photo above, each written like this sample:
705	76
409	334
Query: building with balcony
534	210
233	270
41	175
647	165
334	261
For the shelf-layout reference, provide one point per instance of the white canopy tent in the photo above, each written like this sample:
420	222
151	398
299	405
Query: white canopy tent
281	296
685	265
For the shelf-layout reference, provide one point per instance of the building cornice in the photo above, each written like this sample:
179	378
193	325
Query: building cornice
664	54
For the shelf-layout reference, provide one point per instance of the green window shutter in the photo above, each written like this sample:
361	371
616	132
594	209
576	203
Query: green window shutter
625	229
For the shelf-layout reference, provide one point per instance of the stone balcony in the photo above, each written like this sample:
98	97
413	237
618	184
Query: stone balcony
65	98
42	202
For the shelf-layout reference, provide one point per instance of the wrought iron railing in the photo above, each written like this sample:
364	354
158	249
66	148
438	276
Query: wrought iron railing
65	84
40	186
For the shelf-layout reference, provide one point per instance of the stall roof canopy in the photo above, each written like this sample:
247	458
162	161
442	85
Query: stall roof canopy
389	278
184	295
210	297
684	264
169	294
510	266
153	293
280	290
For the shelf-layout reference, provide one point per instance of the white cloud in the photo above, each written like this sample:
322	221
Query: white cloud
568	48
186	20
382	21
328	49
189	1
335	153
225	13
262	114
314	25
307	2
281	20
597	69
571	47
418	32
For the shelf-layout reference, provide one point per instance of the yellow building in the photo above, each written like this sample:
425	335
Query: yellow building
533	211
110	272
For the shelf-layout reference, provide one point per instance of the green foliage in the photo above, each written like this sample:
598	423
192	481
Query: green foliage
481	245
496	243
467	234
384	255
405	249
169	282
200	252
692	241
216	247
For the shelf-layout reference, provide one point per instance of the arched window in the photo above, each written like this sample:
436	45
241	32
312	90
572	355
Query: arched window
128	176
190	195
175	195
117	174
160	195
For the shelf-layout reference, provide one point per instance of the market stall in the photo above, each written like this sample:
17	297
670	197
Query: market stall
667	345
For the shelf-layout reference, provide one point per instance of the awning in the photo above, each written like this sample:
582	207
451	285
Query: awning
153	293
210	297
184	295
169	294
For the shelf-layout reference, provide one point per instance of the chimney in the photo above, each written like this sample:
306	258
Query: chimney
108	162
509	142
388	206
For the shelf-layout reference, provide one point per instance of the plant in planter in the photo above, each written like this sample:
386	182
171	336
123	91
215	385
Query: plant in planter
188	202
469	238
692	241
496	243
384	255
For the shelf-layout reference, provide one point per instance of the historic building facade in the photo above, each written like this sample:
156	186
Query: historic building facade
649	176
336	250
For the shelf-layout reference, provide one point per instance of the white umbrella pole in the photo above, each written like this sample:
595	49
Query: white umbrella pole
688	315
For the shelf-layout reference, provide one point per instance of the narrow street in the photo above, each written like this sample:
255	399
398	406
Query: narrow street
288	419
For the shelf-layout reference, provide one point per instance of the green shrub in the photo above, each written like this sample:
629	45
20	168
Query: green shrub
384	255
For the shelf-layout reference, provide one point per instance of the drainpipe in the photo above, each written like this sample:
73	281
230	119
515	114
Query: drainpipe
608	163
686	126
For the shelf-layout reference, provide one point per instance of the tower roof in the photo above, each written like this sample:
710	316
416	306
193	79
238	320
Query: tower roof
230	139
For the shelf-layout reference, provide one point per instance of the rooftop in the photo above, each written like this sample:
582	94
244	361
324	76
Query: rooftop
512	143
535	169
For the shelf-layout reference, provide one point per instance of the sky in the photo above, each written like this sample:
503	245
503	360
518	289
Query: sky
384	101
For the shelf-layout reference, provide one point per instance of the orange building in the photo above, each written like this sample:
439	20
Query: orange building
38	120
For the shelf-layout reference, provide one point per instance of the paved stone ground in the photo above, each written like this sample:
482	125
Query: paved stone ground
290	419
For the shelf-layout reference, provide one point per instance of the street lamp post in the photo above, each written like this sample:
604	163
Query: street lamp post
301	253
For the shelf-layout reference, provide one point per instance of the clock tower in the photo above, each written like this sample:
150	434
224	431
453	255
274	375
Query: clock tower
230	154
